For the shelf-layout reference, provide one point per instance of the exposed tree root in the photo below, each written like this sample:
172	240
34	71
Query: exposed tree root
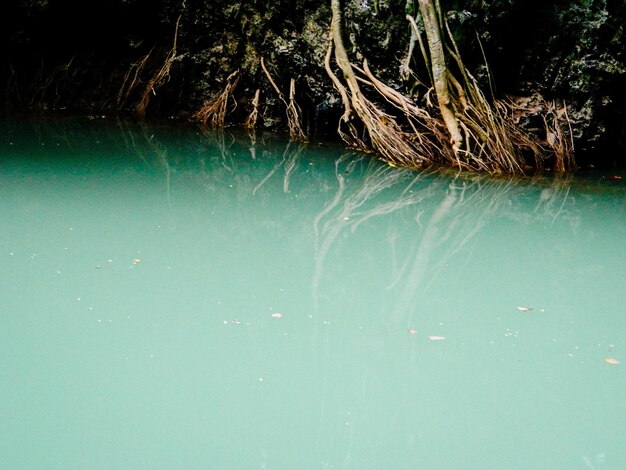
294	121
131	80
57	76
251	121
160	77
559	141
463	128
213	112
385	135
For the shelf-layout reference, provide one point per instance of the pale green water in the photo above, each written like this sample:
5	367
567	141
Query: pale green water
140	269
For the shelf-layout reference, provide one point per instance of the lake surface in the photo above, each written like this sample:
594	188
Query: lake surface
172	298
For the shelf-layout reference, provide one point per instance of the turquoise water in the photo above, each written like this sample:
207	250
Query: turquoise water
179	299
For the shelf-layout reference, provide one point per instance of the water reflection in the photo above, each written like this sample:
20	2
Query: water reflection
289	162
286	293
446	214
425	218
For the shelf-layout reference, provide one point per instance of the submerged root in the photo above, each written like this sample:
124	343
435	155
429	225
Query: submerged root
213	112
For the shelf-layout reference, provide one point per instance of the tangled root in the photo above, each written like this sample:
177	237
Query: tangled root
461	128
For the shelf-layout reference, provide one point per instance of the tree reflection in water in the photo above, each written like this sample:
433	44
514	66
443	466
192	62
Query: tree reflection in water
449	212
429	216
